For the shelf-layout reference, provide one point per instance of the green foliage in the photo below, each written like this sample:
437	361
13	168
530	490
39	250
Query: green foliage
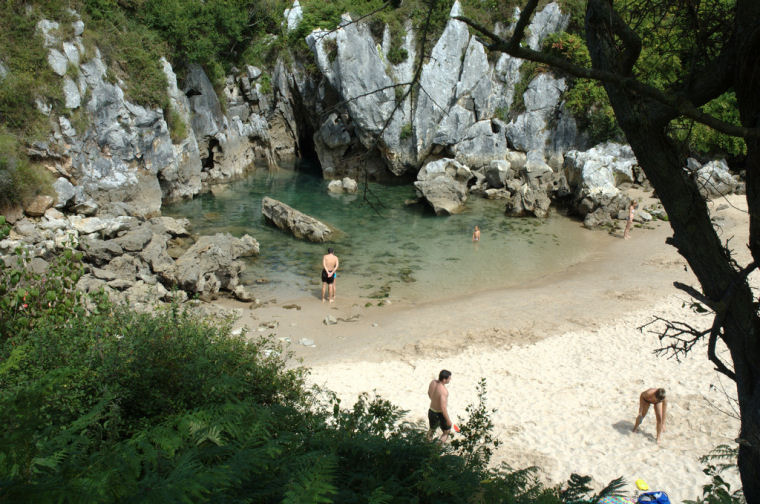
476	441
20	180
718	491
406	131
177	125
586	99
706	141
397	55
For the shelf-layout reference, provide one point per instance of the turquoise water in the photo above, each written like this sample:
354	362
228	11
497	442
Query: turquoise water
388	249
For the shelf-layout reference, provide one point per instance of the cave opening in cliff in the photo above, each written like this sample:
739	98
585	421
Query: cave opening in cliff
308	161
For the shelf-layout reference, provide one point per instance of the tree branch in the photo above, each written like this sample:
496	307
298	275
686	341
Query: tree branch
678	102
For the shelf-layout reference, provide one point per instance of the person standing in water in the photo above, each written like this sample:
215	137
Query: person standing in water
329	268
629	221
652	397
438	414
476	234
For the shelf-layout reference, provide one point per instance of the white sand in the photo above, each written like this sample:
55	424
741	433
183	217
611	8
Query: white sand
563	359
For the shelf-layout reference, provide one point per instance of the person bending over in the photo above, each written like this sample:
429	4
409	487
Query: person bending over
652	397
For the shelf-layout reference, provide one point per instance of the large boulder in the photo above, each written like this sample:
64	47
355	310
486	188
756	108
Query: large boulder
211	263
713	178
443	184
595	174
298	224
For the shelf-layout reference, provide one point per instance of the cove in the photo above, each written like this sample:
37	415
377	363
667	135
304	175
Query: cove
389	249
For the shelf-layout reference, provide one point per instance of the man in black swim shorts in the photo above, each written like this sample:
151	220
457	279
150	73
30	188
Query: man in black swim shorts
438	415
329	268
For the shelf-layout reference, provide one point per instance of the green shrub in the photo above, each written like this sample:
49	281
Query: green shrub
406	131
177	126
20	180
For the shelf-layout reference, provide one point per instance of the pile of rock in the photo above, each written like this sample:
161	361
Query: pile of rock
135	260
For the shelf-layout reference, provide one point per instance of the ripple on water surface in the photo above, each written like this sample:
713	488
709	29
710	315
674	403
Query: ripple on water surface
389	248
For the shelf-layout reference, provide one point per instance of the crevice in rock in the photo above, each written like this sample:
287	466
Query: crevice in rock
207	163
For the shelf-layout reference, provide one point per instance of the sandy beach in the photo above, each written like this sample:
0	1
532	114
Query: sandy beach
563	357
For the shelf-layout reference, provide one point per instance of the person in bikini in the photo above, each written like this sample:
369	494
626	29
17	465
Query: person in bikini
652	397
476	234
438	414
329	268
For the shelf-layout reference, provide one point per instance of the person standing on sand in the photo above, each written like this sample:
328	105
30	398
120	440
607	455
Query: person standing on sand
438	414
476	234
656	397
329	268
629	221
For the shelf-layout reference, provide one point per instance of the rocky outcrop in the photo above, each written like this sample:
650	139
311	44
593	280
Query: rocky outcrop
298	224
443	184
714	179
595	174
128	258
211	264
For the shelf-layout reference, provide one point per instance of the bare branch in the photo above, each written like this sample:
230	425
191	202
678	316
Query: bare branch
677	101
522	24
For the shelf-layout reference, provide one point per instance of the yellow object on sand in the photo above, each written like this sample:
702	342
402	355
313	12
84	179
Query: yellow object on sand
641	484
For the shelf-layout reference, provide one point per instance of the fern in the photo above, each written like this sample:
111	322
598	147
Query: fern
312	483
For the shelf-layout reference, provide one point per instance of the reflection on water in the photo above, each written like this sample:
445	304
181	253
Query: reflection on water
388	248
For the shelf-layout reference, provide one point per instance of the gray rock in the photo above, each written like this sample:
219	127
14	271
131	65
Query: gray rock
88	225
335	186
596	172
211	263
454	125
78	27
120	284
156	256
58	61
47	29
252	72
64	190
125	267
243	294
142	293
100	252
38	265
349	185
439	78
136	239
483	142
497	173
182	176
599	217
714	180
299	224
72	53
443	184
530	130
72	99
528	201
3	71
293	16
103	274
175	227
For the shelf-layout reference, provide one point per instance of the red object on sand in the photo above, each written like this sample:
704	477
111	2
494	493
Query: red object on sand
456	428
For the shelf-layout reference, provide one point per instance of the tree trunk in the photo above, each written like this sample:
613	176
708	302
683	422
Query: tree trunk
644	123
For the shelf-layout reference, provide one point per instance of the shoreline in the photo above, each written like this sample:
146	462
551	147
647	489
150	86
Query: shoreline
563	357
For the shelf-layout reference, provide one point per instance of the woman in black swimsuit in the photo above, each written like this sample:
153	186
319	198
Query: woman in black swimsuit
652	397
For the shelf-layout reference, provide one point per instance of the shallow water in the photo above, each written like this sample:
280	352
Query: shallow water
388	249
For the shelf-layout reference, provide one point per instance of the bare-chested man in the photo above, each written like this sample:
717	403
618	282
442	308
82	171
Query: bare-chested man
329	267
438	414
656	397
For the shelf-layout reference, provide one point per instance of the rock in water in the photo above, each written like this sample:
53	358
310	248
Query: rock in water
299	224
